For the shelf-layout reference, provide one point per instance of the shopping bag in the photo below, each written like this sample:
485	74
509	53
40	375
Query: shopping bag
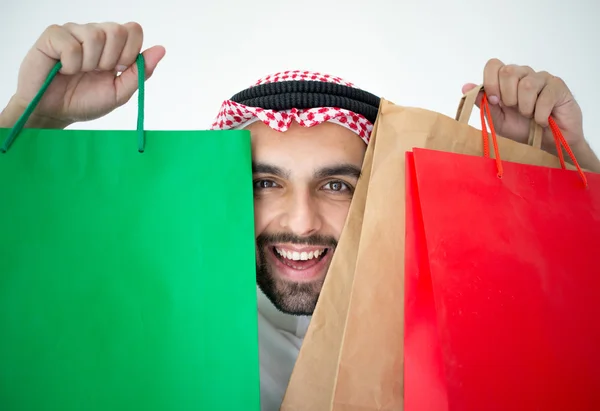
374	331
313	378
127	263
352	357
501	283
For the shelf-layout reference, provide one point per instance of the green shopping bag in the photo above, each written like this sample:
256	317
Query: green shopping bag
127	270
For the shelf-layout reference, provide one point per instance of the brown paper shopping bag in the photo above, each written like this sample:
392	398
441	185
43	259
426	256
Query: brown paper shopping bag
352	358
312	381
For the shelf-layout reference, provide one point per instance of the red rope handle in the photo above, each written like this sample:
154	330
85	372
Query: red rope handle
558	138
485	112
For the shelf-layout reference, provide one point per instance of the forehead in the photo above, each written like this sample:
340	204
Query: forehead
306	147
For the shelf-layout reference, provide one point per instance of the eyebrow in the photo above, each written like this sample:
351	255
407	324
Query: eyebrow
345	169
348	170
264	168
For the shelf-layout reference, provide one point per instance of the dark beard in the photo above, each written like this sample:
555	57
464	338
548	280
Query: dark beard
289	297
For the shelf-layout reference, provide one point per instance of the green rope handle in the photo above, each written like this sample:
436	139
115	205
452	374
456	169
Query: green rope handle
141	94
25	116
14	132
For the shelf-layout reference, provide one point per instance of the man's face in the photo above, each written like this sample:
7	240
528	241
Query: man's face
304	180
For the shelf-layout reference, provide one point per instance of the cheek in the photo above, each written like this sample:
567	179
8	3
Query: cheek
265	212
334	213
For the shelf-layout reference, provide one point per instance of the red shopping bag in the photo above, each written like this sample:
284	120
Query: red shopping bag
502	284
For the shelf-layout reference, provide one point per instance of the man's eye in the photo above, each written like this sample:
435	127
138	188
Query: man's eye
262	184
337	186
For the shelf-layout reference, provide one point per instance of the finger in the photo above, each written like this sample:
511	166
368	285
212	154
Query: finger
116	38
491	83
528	89
554	93
495	111
92	39
58	44
509	77
133	46
127	83
468	87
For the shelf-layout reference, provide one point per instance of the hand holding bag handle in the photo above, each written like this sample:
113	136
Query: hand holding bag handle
465	108
463	115
33	104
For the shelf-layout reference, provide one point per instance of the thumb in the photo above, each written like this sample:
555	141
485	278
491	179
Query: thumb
492	102
470	86
127	83
495	109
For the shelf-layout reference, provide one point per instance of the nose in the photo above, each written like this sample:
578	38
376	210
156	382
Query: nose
302	216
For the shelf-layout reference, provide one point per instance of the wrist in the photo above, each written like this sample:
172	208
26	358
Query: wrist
13	111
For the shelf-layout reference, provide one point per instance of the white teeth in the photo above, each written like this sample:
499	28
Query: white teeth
295	255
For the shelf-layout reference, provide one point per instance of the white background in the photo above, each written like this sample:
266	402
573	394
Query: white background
416	53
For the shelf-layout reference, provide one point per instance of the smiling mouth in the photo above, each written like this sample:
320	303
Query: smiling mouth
300	260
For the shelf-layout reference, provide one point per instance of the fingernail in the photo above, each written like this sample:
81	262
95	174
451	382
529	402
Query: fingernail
493	99
121	67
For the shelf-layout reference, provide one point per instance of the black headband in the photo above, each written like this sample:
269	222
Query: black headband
302	94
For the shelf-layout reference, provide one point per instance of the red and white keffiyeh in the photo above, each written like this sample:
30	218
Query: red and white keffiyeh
234	115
